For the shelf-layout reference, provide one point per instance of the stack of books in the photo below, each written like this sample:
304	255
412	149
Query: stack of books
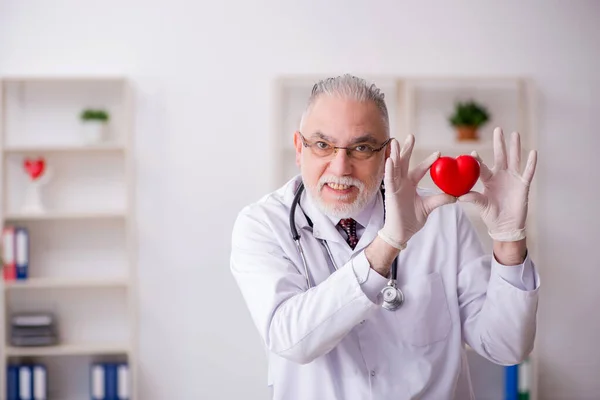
30	329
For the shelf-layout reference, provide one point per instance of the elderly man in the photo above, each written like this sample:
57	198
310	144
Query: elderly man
331	319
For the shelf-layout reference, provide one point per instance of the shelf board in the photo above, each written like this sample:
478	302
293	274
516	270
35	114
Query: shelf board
465	148
50	283
68	350
59	78
75	149
65	215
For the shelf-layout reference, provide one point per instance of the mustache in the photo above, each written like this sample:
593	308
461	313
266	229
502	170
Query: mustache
340	180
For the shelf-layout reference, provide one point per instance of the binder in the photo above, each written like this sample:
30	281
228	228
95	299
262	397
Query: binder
9	269
123	382
97	382
524	380
25	382
511	382
22	252
110	381
40	382
12	382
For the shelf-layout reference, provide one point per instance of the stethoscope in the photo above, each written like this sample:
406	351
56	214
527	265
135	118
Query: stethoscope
391	294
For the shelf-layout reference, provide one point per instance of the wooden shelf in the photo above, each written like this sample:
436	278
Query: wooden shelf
65	283
81	251
68	350
64	78
101	148
64	215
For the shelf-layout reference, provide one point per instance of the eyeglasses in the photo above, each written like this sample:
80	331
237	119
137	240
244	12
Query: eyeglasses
359	151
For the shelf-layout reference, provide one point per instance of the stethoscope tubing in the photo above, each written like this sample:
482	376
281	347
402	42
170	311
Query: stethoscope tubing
391	302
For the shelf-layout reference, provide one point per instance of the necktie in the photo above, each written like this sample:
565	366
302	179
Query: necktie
349	226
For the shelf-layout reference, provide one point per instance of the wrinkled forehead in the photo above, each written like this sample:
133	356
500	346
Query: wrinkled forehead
342	120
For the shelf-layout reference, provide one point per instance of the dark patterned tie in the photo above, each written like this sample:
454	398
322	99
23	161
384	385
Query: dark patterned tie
349	226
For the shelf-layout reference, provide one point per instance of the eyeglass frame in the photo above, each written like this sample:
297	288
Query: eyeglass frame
306	144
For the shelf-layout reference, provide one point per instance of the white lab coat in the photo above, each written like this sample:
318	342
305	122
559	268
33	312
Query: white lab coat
335	341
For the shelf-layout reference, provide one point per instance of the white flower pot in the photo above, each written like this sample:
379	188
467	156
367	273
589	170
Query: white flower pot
33	200
93	132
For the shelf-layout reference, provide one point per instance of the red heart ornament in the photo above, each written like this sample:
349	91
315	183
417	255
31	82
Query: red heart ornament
455	176
34	168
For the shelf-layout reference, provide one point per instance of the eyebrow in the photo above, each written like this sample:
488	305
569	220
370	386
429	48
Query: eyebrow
367	138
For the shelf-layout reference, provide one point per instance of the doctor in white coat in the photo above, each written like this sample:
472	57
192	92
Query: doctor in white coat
327	335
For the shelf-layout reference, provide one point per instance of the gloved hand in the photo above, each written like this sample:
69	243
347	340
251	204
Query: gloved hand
406	211
503	203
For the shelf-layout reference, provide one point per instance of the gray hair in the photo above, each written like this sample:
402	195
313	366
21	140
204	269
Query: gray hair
350	87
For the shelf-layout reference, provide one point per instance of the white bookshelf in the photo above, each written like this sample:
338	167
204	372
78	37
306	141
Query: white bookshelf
82	258
421	105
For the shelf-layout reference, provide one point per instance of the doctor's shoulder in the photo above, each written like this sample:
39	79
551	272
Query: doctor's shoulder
264	219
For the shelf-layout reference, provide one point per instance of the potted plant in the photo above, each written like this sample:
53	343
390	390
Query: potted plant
467	118
94	124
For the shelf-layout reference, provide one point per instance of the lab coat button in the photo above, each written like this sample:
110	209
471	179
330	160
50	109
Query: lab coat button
372	373
362	322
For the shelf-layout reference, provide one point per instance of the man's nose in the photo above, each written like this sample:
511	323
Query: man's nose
341	164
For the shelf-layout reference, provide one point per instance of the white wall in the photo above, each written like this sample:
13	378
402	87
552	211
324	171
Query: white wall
204	72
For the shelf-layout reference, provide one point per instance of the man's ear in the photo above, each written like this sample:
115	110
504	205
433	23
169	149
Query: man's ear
298	147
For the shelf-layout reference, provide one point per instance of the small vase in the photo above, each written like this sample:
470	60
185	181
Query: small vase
465	133
32	203
93	131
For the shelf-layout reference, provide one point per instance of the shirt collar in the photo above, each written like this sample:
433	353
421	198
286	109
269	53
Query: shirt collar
362	217
324	227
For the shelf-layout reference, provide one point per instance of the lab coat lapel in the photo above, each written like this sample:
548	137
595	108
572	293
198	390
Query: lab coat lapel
375	224
323	228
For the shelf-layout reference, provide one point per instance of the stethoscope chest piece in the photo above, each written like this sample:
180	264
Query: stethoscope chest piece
392	297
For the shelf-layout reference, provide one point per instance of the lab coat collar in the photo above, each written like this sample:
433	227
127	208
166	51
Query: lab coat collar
324	227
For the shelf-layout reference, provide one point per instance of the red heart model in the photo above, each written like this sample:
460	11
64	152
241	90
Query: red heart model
34	168
455	176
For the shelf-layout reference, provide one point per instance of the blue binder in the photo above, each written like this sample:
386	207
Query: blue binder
110	381
12	382
22	252
511	382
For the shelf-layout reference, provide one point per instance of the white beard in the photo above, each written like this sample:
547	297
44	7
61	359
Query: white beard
343	210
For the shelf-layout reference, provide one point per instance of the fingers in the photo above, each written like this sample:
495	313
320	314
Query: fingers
388	177
484	171
406	153
530	166
395	153
475	198
421	169
514	158
499	150
430	203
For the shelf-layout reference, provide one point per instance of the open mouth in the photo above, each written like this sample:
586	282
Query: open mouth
339	188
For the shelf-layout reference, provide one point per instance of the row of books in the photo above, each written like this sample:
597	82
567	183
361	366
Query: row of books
108	381
26	382
15	252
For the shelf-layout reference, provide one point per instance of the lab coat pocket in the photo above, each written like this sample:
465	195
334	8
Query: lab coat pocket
424	318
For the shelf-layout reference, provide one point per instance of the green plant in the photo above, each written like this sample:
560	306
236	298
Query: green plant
469	113
94	115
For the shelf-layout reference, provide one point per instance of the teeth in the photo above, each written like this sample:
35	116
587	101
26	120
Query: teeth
336	186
